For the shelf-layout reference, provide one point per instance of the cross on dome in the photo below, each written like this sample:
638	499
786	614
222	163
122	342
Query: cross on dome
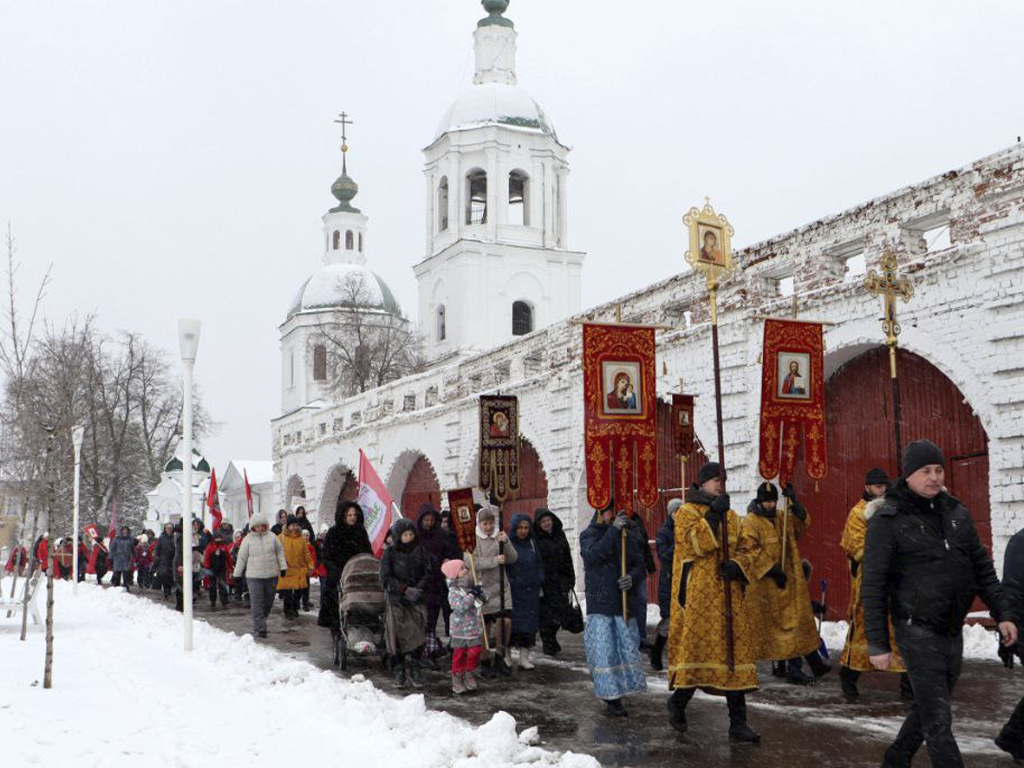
344	188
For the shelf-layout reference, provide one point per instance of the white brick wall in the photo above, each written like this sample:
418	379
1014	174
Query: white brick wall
966	318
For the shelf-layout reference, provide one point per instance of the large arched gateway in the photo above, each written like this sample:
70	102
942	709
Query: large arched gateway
859	413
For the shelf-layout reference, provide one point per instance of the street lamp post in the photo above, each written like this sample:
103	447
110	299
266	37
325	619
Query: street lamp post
188	339
76	441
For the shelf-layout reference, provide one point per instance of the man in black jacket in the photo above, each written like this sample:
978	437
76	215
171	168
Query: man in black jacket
924	562
1011	738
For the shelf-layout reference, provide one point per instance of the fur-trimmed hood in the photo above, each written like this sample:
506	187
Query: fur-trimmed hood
873	506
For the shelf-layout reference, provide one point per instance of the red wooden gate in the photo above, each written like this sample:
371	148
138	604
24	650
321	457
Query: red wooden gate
670	483
533	484
858	404
421	487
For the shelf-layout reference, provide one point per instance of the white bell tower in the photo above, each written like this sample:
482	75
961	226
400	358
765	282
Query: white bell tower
497	260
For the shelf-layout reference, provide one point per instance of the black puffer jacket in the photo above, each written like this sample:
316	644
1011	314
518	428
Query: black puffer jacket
163	555
559	573
924	562
339	545
403	566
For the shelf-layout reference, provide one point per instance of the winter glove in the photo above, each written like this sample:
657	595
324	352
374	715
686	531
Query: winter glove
413	595
854	567
730	571
789	492
625	583
721	504
284	572
817	608
620	521
477	591
778	575
1005	653
807	568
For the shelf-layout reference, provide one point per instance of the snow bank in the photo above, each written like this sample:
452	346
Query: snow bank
230	702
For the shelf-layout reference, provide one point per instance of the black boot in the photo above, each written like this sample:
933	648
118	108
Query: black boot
818	666
738	728
502	666
400	673
906	689
656	649
488	670
778	669
795	674
895	757
1011	738
615	708
848	681
416	672
677	708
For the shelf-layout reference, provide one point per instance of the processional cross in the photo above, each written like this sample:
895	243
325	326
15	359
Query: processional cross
889	285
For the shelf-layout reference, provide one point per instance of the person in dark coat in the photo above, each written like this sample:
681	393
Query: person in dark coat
525	577
1011	737
666	544
219	564
403	575
612	644
559	577
345	539
122	548
178	568
282	521
300	513
163	559
440	545
640	530
924	563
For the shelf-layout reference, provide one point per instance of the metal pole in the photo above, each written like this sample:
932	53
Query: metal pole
186	507
76	439
729	641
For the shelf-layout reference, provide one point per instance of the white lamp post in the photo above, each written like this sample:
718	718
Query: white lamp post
188	340
76	441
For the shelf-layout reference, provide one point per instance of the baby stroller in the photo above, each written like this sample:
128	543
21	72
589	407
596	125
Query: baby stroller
361	606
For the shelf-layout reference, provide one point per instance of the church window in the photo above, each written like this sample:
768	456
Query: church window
360	242
476	197
522	318
442	204
350	240
319	363
337	239
442	331
518	203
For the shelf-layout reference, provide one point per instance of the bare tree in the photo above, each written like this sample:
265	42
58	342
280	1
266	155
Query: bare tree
365	347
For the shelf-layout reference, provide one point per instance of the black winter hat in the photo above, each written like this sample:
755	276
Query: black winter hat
767	492
709	471
921	453
876	476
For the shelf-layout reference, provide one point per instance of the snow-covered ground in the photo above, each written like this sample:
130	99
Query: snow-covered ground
125	694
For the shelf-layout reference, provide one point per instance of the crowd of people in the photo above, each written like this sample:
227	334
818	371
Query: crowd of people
916	565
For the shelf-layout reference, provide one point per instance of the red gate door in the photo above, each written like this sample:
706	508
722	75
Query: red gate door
420	488
858	409
533	484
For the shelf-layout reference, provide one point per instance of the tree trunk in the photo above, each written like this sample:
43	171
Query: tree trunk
48	665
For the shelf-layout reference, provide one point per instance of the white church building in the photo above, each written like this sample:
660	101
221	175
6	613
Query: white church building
499	297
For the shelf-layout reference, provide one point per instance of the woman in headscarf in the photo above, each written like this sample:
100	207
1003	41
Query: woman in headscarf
345	539
559	577
440	545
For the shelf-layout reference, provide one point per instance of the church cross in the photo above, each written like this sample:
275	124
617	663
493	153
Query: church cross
889	285
344	122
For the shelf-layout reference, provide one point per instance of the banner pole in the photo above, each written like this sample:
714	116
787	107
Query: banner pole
483	622
729	639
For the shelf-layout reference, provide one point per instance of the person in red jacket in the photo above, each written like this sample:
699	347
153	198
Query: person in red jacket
42	552
18	560
83	559
219	564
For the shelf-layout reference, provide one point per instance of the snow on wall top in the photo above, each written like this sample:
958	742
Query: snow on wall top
495	104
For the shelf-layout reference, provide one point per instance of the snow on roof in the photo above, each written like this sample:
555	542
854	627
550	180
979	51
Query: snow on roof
258	471
495	104
330	286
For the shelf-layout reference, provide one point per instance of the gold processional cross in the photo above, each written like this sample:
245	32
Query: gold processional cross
889	285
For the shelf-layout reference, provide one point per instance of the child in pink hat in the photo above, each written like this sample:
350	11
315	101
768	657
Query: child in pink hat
466	626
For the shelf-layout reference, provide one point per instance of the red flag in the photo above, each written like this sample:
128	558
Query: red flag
213	502
113	521
248	491
376	503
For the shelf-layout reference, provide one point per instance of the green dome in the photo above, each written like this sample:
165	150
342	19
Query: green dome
344	189
495	8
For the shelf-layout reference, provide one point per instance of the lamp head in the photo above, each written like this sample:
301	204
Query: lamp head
188	338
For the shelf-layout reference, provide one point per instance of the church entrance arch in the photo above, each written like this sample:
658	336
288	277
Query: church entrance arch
421	487
341	485
859	434
295	489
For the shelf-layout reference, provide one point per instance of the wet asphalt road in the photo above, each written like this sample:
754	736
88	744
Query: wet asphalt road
800	727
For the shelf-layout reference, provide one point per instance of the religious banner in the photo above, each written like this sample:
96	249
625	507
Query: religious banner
463	517
792	399
499	445
620	405
682	424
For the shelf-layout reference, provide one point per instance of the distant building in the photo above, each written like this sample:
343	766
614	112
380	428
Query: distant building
232	490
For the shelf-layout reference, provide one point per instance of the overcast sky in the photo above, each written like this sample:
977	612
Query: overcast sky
173	159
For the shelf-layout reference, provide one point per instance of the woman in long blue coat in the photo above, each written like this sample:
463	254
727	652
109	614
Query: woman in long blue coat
525	577
612	643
